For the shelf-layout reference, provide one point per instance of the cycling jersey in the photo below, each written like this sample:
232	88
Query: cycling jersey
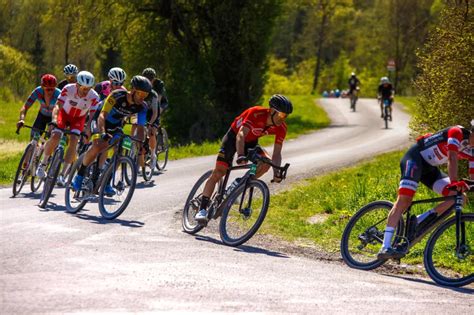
421	161
255	118
104	89
75	106
152	101
38	95
385	91
229	148
117	107
353	83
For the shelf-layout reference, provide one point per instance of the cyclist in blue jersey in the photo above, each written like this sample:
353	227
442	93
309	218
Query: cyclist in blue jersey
47	95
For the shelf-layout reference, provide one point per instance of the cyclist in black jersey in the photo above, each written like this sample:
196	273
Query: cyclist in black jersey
118	106
70	72
385	92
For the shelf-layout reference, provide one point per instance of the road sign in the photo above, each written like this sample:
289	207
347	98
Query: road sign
391	66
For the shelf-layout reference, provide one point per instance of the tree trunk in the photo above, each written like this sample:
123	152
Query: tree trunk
321	39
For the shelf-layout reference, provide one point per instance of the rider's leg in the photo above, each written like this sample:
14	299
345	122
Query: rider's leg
70	153
262	168
381	108
218	172
51	145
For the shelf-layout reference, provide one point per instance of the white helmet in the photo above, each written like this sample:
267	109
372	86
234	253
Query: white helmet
384	80
70	69
117	74
85	78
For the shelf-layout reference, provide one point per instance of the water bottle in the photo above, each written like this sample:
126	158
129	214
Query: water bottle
232	186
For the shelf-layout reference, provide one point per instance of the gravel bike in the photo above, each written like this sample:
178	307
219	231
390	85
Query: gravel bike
242	206
449	251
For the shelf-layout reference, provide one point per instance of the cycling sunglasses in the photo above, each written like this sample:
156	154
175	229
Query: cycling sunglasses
70	77
282	115
141	94
48	89
116	83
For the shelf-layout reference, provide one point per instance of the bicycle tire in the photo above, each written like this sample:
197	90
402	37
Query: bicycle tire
193	227
432	270
147	170
20	176
385	117
51	176
68	189
162	155
36	182
105	179
224	228
352	260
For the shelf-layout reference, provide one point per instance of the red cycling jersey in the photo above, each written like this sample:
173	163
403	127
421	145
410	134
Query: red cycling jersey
255	118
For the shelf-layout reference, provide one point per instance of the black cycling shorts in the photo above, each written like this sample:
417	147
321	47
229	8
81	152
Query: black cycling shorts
41	122
228	148
415	169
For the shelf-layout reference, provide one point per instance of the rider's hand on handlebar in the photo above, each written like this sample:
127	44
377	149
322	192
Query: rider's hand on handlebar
460	186
105	136
241	159
20	124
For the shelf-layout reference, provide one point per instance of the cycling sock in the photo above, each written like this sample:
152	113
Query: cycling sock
424	215
387	237
204	202
82	170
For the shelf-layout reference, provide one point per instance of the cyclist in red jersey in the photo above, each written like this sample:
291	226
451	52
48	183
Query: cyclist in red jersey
420	163
242	135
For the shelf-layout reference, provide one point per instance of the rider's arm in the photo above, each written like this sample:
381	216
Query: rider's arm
29	102
453	165
154	107
240	140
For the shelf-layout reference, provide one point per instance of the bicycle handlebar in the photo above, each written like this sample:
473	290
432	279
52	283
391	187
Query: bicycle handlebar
254	157
30	127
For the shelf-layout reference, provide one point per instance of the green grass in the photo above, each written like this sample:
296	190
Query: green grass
334	198
305	118
407	101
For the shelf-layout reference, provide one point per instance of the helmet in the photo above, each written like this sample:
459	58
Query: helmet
149	73
49	80
281	103
85	78
353	74
141	83
117	74
384	80
70	69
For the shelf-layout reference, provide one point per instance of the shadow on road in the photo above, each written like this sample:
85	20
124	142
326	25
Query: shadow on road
51	206
145	184
428	282
100	220
243	248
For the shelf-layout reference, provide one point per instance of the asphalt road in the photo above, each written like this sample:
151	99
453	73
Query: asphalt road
54	262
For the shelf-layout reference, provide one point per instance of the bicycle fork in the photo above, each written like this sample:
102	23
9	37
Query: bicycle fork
461	248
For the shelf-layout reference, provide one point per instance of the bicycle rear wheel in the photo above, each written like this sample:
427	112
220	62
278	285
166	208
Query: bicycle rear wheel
147	169
244	212
111	206
191	207
363	235
443	263
22	170
51	175
36	181
75	201
162	149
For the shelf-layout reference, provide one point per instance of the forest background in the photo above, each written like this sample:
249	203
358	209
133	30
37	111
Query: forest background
219	57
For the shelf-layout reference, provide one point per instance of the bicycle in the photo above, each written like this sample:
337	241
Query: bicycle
238	223
449	251
94	181
52	168
354	98
386	111
162	148
29	161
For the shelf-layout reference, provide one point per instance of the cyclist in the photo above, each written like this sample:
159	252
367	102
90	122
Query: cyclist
242	135
353	83
116	79
420	164
385	92
76	101
118	105
70	72
47	95
157	105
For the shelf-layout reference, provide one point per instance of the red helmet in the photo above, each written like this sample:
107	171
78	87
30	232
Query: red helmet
49	80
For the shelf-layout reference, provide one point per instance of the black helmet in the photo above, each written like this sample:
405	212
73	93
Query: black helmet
281	104
149	73
141	83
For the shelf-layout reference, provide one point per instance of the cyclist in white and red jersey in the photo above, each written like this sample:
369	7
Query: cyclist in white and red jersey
420	163
76	101
242	135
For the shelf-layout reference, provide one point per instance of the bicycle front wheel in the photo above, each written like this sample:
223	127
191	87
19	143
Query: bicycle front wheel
147	169
446	264
363	235
36	181
162	149
23	169
122	180
51	175
75	201
244	212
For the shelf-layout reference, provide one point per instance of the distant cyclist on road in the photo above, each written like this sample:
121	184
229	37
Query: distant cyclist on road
420	164
70	72
353	83
47	95
385	92
243	134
